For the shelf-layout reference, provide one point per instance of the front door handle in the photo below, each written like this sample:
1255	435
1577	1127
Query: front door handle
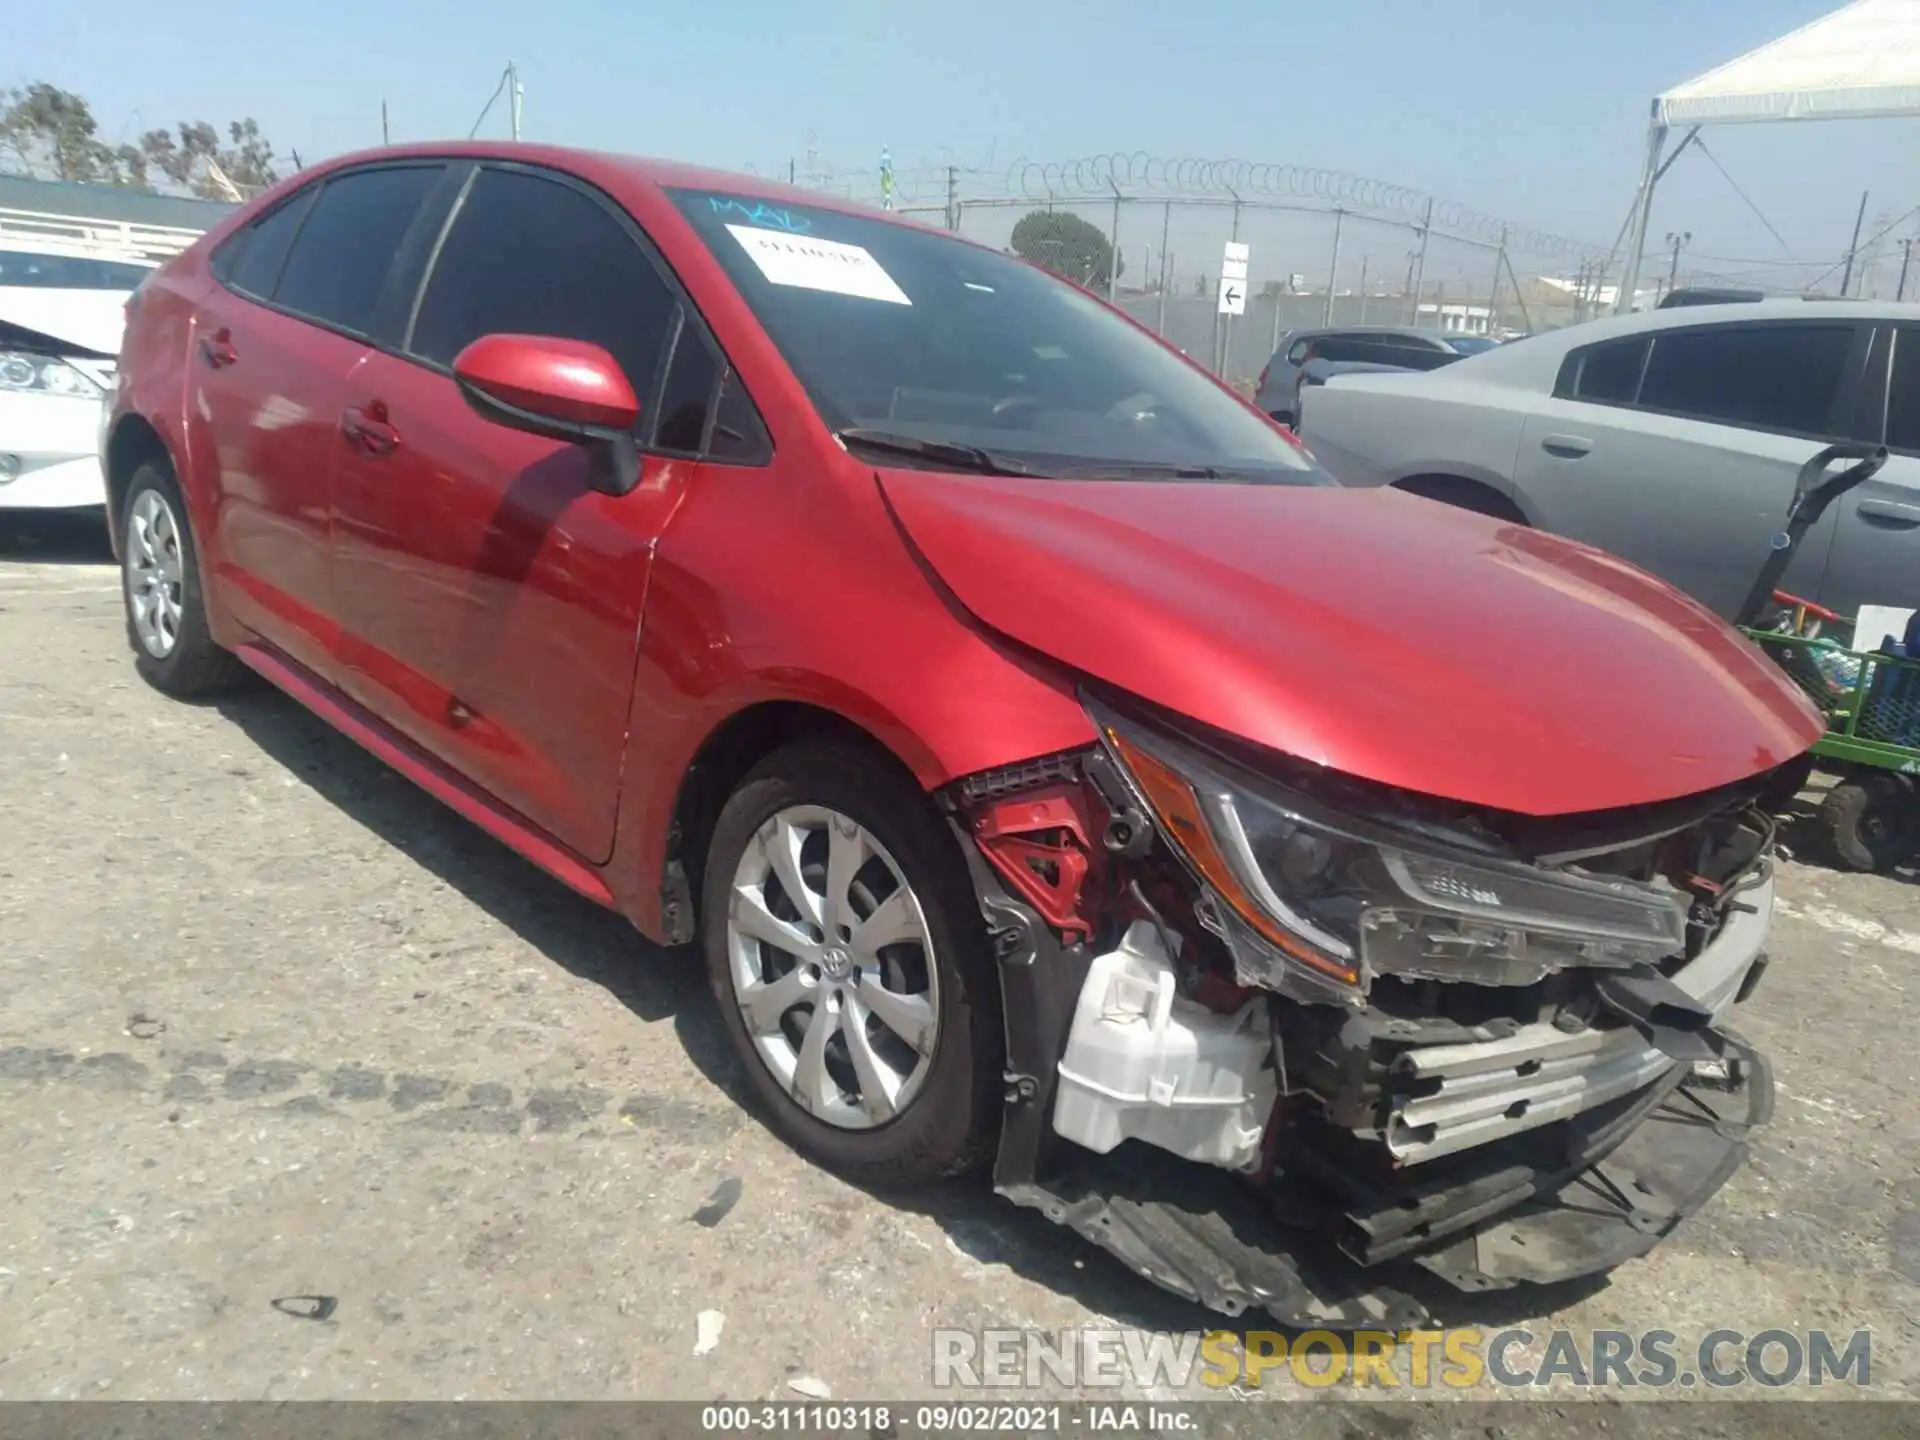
217	349
368	427
1567	447
1891	511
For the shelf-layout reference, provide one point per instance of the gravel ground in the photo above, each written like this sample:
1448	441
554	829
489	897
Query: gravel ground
309	1090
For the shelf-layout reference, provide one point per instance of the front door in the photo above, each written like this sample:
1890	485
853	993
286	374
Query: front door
490	602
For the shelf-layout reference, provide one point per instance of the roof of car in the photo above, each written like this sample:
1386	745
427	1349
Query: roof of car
668	174
1523	362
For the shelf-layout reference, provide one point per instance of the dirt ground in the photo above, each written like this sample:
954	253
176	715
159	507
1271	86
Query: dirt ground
309	1090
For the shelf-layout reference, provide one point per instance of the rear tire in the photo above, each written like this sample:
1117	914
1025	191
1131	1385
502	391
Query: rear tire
1870	822
160	589
856	1098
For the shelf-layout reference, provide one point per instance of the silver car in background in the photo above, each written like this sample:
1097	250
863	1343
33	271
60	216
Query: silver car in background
1671	439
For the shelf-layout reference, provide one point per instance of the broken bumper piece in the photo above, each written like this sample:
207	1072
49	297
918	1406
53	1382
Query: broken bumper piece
1608	1192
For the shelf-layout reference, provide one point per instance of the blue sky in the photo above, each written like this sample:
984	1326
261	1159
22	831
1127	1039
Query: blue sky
1526	110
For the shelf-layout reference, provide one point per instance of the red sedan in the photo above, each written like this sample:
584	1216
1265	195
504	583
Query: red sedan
1053	764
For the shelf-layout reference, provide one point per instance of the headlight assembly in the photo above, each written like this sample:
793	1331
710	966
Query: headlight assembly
1313	902
45	375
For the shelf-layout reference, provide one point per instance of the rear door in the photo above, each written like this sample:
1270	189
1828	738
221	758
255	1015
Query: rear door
273	346
1876	543
1678	449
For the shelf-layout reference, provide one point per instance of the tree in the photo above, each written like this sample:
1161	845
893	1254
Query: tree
1067	245
51	133
196	161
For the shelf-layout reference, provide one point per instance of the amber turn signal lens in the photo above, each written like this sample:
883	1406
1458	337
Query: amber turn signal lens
1178	808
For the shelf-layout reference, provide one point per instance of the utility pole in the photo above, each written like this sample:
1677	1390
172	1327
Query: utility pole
515	95
383	124
953	197
1166	260
1408	298
1906	255
1363	288
1846	278
1493	298
1333	267
1685	237
1420	264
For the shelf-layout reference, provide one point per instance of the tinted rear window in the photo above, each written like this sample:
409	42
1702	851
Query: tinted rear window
1610	374
263	247
339	262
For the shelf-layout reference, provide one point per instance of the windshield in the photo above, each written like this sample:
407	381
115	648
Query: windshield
902	333
1470	344
24	270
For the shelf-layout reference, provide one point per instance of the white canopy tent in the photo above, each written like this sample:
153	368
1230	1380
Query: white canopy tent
1861	62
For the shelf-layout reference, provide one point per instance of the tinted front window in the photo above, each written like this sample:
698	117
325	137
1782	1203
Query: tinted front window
339	261
909	331
1770	377
1470	344
68	272
531	256
264	246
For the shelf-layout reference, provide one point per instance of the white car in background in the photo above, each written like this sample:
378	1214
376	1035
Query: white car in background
62	310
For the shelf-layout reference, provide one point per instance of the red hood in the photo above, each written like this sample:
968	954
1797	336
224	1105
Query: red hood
1372	632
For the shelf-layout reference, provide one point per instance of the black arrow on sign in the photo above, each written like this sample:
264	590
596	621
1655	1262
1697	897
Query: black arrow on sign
1233	296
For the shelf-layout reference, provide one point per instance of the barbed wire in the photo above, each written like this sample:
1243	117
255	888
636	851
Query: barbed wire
1139	175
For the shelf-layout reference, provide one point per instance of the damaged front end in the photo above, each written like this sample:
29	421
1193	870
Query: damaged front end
1385	1033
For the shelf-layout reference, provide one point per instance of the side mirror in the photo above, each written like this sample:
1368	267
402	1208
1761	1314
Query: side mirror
564	390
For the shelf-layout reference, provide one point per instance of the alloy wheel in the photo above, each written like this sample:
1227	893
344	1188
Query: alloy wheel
832	967
154	573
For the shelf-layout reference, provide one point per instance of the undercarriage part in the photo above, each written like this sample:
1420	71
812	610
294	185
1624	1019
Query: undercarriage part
1143	1063
1204	1236
1618	1207
1040	983
1673	1020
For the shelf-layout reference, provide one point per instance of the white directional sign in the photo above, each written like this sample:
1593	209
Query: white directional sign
1233	279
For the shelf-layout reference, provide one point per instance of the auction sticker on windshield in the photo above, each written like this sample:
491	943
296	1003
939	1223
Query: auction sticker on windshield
813	264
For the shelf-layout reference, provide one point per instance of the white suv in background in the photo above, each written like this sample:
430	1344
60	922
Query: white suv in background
62	309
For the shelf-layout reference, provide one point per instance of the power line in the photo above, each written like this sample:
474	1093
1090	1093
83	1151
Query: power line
1701	146
1874	240
498	90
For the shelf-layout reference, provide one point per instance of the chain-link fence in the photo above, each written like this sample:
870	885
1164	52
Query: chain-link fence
1322	248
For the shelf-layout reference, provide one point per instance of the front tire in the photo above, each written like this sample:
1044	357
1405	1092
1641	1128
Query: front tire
160	586
846	950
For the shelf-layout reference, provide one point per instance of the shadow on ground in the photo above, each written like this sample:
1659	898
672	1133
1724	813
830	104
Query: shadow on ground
54	537
600	946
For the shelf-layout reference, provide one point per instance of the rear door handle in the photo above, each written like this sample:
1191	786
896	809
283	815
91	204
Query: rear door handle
1892	511
368	427
1567	447
217	349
